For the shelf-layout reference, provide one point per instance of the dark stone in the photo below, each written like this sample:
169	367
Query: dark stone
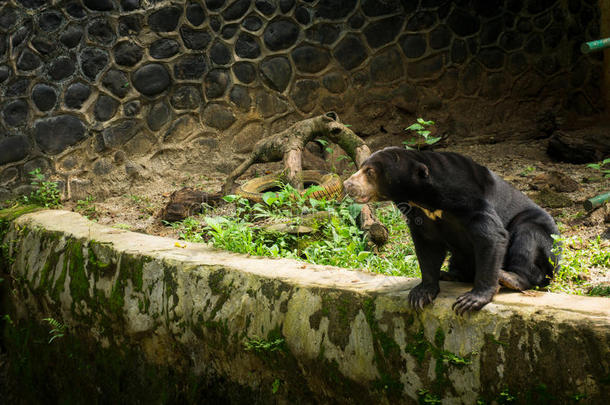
387	66
305	94
517	63
538	6
244	71
8	18
511	40
127	53
44	46
220	54
422	20
5	73
350	52
534	45
116	82
185	98
75	10
280	34
165	19
574	6
215	23
463	23
229	31
130	5
310	59
61	68
236	10
440	37
266	7
44	96
15	113
375	8
335	9
130	24
218	116
492	58
459	51
76	94
579	146
190	67
13	149
17	87
164	48
158	115
214	4
105	107
286	5
471	78
50	21
93	61
247	46
276	72
301	14
524	25
324	34
32	4
151	79
195	14
121	132
382	32
132	108
216	83
553	36
356	21
240	97
514	6
71	36
100	31
194	39
425	68
548	65
99	5
413	45
54	134
495	88
334	82
28	61
490	32
252	23
487	8
21	34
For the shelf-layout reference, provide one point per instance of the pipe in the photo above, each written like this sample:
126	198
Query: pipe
593	46
596	201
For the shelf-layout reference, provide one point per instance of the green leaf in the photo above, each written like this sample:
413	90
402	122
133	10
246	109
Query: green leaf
270	197
415	127
312	189
433	140
230	198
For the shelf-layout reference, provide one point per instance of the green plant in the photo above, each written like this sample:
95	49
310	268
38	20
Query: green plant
505	397
603	166
264	346
276	385
86	207
57	329
122	226
45	194
527	171
427	398
419	128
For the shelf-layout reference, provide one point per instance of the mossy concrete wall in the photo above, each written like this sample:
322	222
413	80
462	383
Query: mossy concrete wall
153	319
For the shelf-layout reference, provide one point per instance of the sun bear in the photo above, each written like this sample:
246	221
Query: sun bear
496	235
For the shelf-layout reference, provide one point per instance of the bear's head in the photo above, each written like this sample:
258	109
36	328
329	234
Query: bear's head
389	174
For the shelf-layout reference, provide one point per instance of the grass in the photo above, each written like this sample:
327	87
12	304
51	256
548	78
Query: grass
339	242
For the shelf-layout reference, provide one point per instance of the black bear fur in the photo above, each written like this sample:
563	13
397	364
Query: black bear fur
495	233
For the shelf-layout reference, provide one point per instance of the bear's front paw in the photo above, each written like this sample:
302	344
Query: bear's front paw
422	295
471	301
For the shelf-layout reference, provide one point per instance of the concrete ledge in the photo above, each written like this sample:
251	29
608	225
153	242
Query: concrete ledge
220	326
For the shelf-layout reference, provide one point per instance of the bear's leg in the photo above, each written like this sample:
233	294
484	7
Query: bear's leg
430	255
527	258
489	239
460	269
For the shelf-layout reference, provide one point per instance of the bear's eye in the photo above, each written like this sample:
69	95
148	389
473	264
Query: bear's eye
369	172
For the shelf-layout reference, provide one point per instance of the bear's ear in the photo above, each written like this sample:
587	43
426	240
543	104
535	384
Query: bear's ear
422	171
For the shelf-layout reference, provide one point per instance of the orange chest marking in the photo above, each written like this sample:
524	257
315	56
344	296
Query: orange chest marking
433	215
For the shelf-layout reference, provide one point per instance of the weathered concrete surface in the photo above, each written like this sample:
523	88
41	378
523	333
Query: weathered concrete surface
150	317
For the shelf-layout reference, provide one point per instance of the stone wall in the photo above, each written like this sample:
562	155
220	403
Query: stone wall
145	319
104	93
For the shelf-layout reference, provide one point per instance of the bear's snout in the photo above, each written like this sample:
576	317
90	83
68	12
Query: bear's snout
358	188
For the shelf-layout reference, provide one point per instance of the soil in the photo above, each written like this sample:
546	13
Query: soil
560	188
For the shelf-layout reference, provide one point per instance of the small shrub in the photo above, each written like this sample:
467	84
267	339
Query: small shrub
603	167
46	193
420	129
